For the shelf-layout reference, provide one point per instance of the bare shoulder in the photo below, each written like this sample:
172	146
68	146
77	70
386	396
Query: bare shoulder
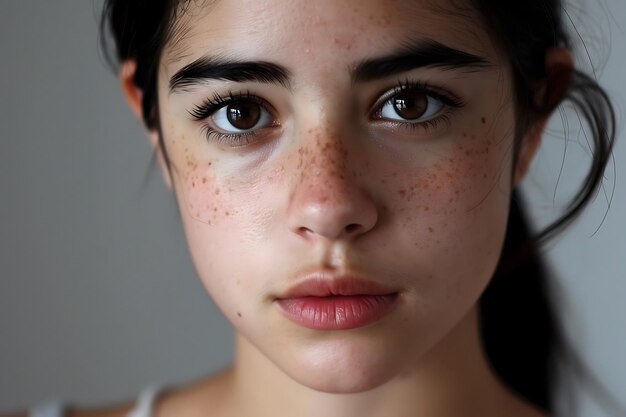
193	400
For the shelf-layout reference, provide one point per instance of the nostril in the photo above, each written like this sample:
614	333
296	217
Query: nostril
304	231
351	228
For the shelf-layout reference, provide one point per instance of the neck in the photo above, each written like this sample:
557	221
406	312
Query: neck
453	379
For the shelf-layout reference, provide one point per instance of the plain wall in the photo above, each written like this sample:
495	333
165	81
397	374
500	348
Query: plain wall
98	296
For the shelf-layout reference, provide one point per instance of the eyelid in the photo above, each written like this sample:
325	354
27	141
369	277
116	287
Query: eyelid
444	96
209	106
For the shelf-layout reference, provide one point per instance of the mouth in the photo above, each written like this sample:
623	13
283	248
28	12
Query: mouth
324	301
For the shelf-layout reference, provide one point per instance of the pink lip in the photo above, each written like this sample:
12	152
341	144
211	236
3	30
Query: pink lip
324	301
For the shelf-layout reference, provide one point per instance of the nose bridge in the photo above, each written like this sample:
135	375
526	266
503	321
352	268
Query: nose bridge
322	161
322	157
326	198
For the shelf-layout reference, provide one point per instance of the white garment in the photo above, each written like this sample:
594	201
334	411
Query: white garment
143	407
145	402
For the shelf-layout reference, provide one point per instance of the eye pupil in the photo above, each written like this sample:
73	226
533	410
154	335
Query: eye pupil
243	115
410	105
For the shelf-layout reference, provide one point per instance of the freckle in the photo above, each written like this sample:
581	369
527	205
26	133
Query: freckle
227	213
431	230
204	180
426	208
193	184
238	314
464	134
217	191
483	120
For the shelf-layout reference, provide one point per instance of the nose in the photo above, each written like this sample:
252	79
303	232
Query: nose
326	199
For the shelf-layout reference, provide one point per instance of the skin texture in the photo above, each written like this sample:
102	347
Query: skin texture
330	186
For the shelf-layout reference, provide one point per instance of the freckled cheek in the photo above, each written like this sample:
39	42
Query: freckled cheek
445	193
201	195
446	183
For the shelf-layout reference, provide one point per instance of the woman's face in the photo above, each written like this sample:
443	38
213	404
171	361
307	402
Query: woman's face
316	141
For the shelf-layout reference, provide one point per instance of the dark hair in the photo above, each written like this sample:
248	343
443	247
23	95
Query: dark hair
518	324
520	329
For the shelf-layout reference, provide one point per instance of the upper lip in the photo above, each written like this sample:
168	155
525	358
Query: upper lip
325	284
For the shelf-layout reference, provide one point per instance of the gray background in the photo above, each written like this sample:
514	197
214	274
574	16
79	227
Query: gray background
98	296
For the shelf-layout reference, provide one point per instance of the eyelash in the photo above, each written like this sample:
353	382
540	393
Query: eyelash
449	101
211	105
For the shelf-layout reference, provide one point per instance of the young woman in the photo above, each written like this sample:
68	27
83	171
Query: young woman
346	175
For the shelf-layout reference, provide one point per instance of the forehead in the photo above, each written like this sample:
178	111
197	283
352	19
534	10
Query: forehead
325	30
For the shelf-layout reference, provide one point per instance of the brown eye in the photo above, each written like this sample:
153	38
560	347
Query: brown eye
414	106
410	105
243	115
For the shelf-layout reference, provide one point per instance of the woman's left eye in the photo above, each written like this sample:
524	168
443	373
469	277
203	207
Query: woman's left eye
414	105
410	106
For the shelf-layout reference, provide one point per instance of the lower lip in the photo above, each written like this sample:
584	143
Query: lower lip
337	312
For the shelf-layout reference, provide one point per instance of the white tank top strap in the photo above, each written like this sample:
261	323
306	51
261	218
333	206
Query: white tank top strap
145	402
48	409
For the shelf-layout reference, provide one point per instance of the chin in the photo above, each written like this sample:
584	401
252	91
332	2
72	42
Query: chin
345	367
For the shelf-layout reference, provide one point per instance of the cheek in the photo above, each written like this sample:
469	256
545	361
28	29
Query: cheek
200	195
450	225
225	219
218	220
456	206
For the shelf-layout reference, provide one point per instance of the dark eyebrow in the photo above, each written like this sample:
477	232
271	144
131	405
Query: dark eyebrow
217	68
428	53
